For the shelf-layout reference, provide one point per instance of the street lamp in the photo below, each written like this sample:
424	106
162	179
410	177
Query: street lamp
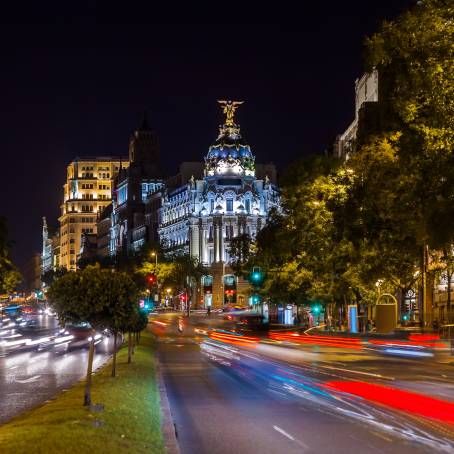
155	255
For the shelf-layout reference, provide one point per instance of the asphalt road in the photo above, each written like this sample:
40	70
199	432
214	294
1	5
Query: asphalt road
30	378
271	398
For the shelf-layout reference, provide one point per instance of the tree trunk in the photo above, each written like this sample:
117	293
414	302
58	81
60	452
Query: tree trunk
91	354
114	362
129	347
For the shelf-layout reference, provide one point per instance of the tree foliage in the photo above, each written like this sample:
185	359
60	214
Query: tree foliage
104	298
10	276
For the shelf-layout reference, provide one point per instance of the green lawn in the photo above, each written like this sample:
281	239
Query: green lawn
130	420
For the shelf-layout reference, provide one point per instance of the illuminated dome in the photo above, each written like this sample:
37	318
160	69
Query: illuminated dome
229	154
229	143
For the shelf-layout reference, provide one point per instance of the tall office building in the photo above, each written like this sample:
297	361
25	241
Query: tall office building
87	191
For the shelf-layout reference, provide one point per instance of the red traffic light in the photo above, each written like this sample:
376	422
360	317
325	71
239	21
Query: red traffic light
151	278
183	297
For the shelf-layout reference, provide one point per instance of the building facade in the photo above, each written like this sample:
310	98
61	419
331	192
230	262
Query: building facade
366	91
203	215
129	230
86	193
50	255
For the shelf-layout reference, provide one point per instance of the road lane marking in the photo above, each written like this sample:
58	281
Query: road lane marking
290	437
357	372
29	380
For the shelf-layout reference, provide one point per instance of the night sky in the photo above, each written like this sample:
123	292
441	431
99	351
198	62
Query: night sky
76	83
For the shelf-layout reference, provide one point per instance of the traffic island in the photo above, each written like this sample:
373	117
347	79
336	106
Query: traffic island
125	415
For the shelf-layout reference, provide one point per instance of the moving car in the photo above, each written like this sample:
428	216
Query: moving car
249	321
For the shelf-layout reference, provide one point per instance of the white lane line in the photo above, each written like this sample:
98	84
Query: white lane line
290	437
283	432
28	380
357	372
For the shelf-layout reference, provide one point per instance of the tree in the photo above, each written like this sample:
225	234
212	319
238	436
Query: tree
134	324
123	295
9	274
415	62
51	275
188	272
96	296
240	251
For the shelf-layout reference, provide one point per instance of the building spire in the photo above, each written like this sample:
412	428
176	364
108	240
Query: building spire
144	126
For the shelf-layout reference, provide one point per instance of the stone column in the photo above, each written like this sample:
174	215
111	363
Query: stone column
204	244
200	241
216	241
221	242
194	239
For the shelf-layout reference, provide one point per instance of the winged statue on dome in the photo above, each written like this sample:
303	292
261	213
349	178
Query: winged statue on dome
229	107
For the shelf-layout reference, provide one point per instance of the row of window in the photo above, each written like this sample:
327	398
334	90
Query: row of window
87	230
87	208
92	175
71	230
83	220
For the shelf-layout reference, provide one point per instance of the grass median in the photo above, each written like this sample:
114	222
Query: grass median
129	423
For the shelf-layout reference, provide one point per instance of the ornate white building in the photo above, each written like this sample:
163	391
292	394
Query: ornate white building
202	216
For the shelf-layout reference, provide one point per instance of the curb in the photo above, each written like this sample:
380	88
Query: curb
167	424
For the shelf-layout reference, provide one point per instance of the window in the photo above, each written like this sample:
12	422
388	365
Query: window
122	194
229	205
248	206
71	241
211	206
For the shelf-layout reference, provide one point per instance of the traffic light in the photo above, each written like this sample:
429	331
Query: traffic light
256	276
183	297
316	308
255	299
151	279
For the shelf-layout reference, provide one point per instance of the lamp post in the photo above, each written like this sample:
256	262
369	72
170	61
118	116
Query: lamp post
155	255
